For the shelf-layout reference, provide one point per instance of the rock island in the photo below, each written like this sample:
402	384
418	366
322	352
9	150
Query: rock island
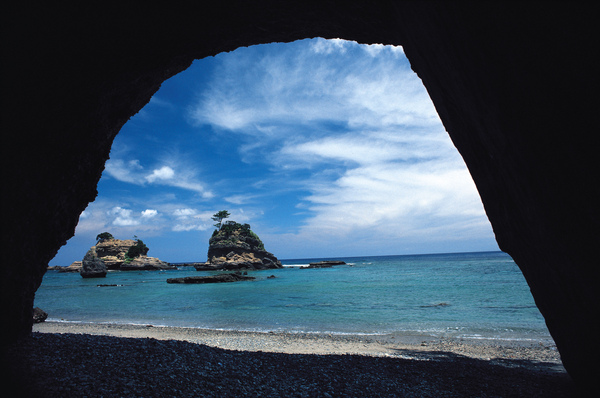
235	246
116	254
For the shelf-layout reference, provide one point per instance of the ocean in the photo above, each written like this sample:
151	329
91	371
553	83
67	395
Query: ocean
465	295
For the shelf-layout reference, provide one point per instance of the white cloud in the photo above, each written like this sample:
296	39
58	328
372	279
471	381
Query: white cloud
375	50
164	173
363	127
286	91
149	213
188	219
195	186
369	195
127	219
126	171
123	217
322	46
175	174
184	213
240	199
158	101
125	222
363	148
186	227
399	180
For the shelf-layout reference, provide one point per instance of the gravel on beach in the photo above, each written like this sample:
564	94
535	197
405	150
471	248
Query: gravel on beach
102	360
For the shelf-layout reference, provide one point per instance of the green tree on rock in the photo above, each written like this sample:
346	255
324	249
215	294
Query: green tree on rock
104	236
219	217
139	249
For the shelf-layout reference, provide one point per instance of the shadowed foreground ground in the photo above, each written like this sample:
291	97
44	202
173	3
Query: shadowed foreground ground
77	365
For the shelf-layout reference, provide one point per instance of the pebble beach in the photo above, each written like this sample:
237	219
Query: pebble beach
64	359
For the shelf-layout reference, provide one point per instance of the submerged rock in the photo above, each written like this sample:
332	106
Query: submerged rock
325	264
221	278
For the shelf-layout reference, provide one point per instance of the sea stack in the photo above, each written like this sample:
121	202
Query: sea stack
234	246
115	254
127	255
92	266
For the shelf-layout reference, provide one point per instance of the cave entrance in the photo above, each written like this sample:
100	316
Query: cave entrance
504	97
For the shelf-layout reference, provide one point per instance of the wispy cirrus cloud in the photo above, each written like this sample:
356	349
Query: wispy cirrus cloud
176	174
354	127
126	171
295	88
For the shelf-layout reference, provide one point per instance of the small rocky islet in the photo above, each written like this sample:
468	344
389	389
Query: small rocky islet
235	246
232	247
220	278
324	264
110	253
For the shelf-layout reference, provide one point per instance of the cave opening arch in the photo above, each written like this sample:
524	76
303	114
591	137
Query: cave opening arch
503	97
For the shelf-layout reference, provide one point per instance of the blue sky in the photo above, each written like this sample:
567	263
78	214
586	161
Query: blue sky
327	148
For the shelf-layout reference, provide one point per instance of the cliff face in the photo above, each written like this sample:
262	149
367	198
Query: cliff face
113	251
235	246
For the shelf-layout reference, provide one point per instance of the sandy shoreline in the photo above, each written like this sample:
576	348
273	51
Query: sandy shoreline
391	345
71	359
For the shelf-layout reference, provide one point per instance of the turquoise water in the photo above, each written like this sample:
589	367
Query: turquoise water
470	295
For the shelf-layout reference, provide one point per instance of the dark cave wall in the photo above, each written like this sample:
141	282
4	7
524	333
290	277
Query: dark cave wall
518	102
514	86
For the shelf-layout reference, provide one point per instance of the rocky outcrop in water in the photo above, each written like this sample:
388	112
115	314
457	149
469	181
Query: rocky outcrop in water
39	315
74	267
92	265
115	254
145	263
234	246
221	278
324	264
